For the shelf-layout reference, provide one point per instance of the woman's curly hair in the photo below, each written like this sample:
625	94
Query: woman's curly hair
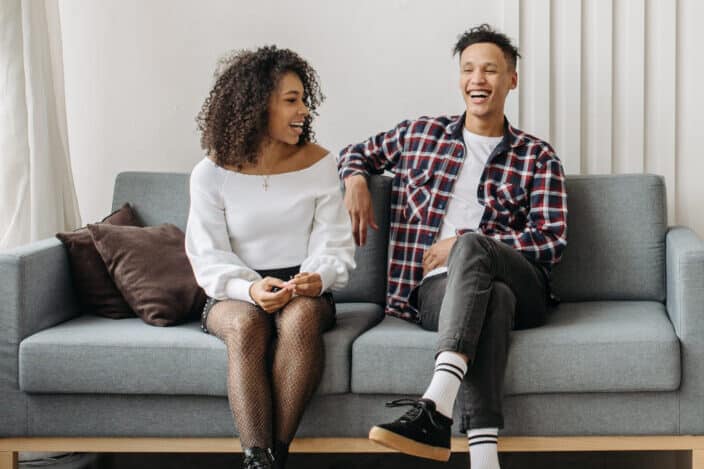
234	117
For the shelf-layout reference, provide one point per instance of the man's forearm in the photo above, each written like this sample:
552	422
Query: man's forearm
352	162
374	155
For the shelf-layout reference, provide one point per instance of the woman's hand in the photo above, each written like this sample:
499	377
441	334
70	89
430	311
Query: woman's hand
268	300
306	284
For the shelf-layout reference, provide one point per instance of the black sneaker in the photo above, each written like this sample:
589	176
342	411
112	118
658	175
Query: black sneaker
422	431
258	458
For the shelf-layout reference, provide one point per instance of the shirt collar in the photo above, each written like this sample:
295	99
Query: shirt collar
512	136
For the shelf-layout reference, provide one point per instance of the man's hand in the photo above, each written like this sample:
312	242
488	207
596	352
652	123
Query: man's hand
268	300
358	202
306	284
436	255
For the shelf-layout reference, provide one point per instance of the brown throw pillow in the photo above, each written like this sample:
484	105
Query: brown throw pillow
151	270
95	290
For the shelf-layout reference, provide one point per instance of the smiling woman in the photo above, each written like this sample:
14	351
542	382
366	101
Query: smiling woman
268	238
257	92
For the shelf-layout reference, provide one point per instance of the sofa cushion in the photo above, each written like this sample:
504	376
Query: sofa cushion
584	347
97	355
94	287
615	239
151	270
368	280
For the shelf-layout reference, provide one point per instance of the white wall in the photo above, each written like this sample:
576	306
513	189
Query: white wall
613	84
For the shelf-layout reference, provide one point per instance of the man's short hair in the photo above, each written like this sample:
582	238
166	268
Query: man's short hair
485	33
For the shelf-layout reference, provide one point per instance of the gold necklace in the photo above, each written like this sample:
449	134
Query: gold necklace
266	175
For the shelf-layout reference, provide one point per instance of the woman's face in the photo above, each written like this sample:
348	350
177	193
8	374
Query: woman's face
287	112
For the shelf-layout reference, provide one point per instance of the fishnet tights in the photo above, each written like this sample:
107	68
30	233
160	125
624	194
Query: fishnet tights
270	380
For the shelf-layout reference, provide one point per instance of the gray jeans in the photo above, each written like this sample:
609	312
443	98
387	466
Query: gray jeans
489	289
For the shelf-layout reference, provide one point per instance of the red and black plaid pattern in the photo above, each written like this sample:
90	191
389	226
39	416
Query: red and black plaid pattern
522	189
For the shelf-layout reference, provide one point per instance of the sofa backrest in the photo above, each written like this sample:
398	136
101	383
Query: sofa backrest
616	229
616	234
164	198
156	197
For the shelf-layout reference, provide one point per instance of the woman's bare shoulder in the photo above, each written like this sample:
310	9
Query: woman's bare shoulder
314	153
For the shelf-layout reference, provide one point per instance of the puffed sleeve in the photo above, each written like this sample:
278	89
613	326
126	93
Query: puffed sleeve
218	270
330	246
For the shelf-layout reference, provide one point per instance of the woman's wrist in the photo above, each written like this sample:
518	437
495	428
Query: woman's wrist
239	289
249	292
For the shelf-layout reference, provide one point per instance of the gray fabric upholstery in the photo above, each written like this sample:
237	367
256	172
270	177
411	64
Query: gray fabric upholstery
163	198
35	293
156	197
584	347
36	289
685	304
100	355
14	415
129	415
645	413
615	239
344	415
368	280
610	366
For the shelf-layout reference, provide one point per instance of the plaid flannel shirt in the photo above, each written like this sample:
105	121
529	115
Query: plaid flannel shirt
522	189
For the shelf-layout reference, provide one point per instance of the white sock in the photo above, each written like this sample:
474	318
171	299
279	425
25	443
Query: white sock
483	452
450	368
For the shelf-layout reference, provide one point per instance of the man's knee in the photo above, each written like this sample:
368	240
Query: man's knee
502	303
471	245
502	297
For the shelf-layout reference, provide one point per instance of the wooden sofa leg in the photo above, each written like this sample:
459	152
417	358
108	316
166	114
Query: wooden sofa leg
697	459
8	460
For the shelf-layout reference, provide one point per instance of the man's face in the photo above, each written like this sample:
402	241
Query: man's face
486	77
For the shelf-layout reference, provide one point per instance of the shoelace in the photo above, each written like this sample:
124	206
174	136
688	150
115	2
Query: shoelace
419	407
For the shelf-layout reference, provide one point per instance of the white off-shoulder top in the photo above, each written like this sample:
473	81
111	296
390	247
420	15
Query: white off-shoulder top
236	225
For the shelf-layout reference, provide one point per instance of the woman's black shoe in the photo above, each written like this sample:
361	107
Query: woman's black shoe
258	458
280	454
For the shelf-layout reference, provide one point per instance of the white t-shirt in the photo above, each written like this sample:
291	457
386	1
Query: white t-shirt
236	225
463	208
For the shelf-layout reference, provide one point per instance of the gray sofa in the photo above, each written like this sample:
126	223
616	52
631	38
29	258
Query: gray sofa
623	354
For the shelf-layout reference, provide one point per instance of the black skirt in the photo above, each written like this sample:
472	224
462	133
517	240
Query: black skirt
285	274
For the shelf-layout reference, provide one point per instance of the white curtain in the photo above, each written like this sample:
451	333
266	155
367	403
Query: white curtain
38	197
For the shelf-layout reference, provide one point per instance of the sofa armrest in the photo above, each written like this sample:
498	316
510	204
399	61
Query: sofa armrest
36	290
685	306
685	284
35	293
